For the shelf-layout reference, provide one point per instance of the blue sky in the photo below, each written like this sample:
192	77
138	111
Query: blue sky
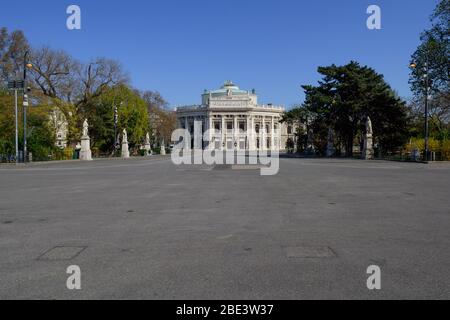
181	47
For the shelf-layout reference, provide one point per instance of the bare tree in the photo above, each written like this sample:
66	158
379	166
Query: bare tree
97	76
12	51
52	73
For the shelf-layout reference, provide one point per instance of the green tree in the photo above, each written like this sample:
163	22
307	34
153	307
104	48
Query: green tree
299	117
343	100
132	115
433	54
40	134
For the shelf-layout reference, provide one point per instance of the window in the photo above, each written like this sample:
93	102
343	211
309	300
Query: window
217	126
289	130
229	125
242	126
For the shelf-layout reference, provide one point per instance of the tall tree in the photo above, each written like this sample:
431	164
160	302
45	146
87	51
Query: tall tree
300	118
346	96
162	121
433	54
132	115
12	51
52	73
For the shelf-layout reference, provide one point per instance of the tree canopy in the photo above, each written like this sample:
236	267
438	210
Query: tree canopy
78	91
343	100
433	55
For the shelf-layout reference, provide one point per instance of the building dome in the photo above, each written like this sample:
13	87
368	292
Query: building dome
228	87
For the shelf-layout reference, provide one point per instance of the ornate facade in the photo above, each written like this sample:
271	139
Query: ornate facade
236	120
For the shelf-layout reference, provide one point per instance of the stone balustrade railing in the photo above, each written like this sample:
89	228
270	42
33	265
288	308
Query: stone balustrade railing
203	107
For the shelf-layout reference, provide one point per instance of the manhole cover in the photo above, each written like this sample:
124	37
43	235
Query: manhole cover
61	253
309	252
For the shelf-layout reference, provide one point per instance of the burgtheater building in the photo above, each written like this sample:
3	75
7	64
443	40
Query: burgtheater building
236	120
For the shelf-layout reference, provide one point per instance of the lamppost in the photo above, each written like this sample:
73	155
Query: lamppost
116	121
26	65
426	77
116	118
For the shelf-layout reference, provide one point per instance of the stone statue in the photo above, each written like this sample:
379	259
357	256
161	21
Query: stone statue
85	152
85	128
369	126
163	148
147	146
125	150
124	136
368	152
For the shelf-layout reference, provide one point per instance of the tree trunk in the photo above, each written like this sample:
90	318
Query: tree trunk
349	146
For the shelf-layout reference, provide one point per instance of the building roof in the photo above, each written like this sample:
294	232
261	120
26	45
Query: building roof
226	88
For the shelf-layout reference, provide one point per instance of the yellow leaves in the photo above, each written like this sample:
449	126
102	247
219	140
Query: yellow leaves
437	146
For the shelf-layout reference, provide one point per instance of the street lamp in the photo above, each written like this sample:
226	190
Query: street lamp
413	65
116	121
26	65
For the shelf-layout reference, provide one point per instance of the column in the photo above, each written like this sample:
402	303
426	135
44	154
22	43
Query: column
249	134
264	134
187	142
210	128
272	137
253	135
224	128
236	131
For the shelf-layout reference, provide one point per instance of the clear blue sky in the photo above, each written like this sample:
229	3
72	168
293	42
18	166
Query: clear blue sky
182	47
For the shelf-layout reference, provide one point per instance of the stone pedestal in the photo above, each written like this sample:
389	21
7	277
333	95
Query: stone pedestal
148	150
125	151
85	152
368	153
163	150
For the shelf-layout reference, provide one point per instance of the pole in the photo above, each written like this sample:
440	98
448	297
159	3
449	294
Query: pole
426	113
25	105
115	127
17	127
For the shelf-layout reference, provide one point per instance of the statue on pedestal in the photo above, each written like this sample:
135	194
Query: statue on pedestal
125	150
85	152
147	146
85	128
163	148
368	152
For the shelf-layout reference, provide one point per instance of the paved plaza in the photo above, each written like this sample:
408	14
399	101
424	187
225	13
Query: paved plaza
146	229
